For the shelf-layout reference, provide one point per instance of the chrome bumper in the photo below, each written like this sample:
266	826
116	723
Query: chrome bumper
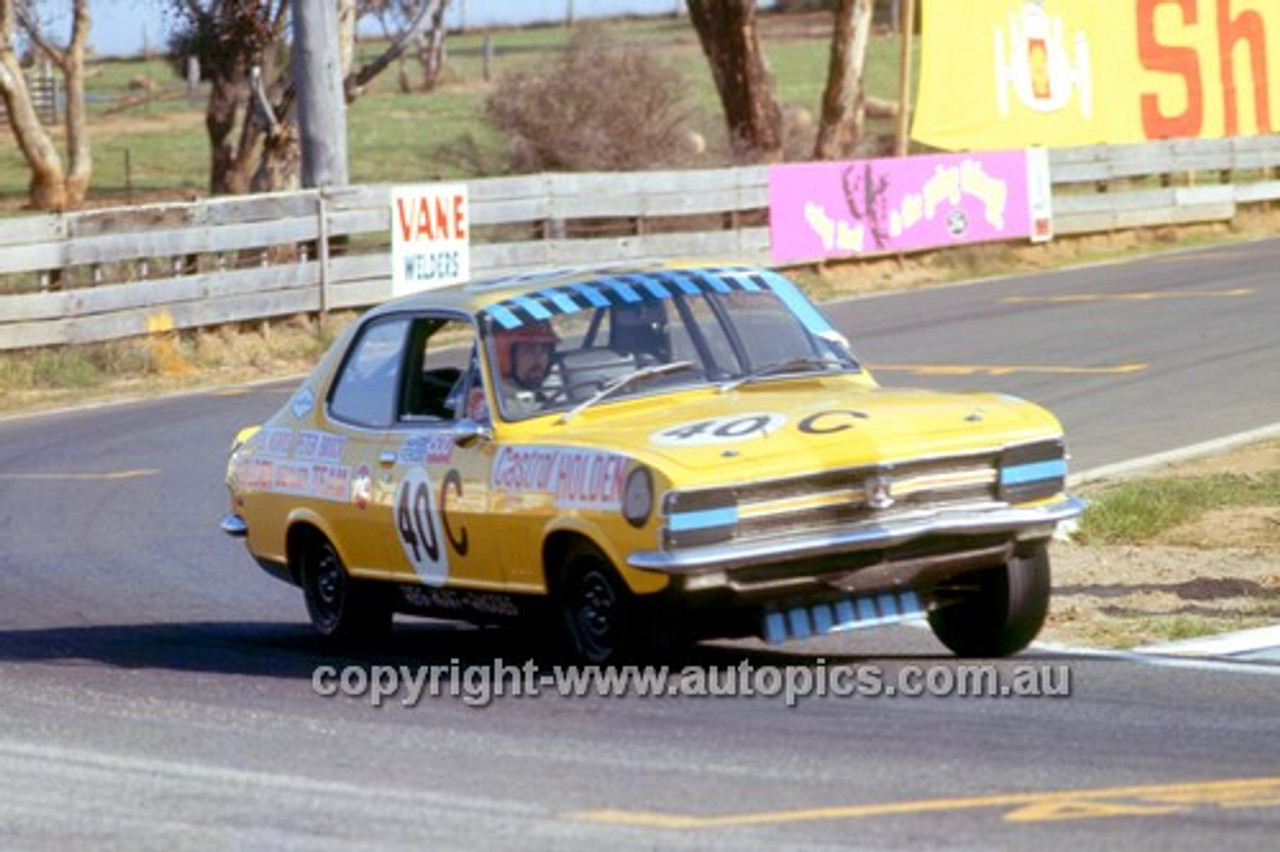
234	526
1037	522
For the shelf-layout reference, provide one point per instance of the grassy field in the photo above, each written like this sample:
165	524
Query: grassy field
156	147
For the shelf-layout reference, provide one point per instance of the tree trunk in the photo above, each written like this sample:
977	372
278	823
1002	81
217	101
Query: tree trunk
52	187
431	54
844	101
78	149
227	122
728	33
252	121
47	190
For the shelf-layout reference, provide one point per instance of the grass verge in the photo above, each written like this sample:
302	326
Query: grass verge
1139	512
1191	550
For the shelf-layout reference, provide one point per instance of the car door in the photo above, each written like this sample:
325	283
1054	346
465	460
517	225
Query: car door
359	413
439	460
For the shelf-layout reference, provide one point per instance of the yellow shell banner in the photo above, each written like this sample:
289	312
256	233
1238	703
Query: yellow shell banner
999	74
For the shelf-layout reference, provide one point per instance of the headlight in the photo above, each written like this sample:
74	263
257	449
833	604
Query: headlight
637	498
695	518
1032	471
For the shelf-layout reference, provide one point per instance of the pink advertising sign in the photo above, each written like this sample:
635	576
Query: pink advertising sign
820	210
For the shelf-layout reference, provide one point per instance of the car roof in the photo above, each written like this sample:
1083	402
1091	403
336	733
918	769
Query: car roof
478	296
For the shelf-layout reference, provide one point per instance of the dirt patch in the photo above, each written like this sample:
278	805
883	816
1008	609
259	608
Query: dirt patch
1256	527
1217	573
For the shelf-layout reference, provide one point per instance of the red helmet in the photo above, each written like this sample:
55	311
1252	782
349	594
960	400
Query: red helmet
506	338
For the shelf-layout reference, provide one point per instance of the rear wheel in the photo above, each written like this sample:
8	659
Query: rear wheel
999	610
340	607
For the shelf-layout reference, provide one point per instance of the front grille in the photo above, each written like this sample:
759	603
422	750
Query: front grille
830	499
841	498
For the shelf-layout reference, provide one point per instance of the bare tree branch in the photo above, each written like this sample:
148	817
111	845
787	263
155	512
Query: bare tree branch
430	11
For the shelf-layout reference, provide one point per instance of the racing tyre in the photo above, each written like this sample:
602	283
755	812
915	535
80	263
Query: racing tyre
593	608
1002	609
340	607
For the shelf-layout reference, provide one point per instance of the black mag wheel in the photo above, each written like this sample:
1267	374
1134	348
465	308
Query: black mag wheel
340	607
1002	609
593	607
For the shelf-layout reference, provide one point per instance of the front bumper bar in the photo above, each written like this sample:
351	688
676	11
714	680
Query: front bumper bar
1037	521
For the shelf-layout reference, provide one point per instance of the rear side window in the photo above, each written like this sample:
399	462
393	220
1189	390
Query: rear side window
368	386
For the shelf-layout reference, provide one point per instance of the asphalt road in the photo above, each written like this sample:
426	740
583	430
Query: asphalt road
156	689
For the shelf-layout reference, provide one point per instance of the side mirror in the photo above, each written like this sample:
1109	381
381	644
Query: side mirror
468	432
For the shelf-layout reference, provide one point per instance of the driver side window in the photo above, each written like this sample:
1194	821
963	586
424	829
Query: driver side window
443	382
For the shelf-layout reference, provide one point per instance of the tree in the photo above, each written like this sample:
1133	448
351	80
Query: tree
728	33
243	49
53	186
232	38
602	105
397	16
843	100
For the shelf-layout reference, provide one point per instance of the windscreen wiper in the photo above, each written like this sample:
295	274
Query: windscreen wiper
613	386
791	365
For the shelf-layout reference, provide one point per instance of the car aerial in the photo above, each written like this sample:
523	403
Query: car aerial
638	456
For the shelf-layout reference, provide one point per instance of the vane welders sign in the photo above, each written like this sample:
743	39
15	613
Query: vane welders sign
430	237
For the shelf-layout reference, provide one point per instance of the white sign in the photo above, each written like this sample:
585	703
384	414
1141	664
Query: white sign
1040	194
430	237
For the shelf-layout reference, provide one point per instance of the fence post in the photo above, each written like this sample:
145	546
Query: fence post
322	252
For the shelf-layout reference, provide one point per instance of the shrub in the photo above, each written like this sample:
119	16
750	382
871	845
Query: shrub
600	106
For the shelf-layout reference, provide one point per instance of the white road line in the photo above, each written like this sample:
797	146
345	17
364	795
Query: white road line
1138	465
78	763
1225	645
1212	664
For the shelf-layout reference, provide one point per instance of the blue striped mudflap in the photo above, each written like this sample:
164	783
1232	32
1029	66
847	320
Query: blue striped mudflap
808	621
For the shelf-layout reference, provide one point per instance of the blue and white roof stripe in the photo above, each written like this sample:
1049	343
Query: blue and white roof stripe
635	287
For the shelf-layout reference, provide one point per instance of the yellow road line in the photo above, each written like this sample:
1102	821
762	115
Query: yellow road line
77	477
1005	369
1145	800
1128	297
252	391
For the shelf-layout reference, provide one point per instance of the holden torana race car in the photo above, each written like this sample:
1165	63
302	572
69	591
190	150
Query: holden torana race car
631	456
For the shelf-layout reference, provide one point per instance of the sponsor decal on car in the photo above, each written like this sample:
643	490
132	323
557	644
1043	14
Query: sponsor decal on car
427	449
330	482
362	487
302	403
320	446
576	479
276	441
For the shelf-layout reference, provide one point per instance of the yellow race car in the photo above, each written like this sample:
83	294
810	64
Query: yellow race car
643	455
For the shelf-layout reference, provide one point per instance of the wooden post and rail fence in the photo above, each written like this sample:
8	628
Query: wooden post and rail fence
101	275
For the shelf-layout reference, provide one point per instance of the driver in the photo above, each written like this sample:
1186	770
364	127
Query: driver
525	356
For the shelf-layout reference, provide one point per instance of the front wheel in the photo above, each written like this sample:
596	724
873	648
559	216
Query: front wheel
999	610
593	608
340	607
